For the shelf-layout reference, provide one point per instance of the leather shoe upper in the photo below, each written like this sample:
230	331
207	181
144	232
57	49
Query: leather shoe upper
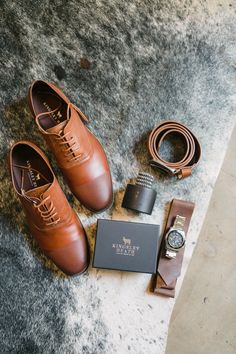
51	220
78	152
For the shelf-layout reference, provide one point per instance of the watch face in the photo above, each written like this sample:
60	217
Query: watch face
175	239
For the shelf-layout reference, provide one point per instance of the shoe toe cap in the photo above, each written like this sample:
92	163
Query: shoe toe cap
72	259
96	195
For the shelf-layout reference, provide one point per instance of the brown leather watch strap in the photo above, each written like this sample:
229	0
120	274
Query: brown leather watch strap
169	269
182	168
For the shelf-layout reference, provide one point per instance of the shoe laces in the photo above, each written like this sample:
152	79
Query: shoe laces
71	145
67	140
47	212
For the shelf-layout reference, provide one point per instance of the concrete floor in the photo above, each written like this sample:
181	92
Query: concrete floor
204	317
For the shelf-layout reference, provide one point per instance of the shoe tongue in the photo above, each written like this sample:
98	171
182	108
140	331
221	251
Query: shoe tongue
57	128
37	192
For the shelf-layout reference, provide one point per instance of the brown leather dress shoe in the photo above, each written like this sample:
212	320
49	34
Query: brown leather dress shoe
79	154
51	220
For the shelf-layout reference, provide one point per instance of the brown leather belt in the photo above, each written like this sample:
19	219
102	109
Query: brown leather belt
182	168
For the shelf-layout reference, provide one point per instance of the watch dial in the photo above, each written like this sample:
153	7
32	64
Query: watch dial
175	239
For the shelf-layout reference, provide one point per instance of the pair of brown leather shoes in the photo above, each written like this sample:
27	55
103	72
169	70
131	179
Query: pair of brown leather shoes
84	165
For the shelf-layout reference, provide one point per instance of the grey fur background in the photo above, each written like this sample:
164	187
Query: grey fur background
128	65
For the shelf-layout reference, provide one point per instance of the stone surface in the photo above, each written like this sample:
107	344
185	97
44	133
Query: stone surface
128	65
204	314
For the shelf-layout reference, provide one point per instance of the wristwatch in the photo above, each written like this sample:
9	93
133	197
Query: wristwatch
175	237
172	247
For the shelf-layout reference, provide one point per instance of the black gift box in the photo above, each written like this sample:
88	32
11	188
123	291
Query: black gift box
128	246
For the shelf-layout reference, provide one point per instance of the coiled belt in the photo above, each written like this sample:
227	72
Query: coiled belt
182	168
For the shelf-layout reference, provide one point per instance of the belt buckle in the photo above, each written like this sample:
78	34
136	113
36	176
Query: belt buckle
164	168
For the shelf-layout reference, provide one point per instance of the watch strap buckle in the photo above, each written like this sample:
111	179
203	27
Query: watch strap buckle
170	254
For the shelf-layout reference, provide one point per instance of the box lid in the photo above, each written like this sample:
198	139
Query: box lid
128	246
